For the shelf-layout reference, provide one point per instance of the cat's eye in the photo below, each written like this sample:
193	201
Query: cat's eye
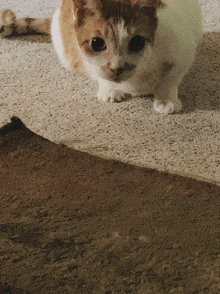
136	44
98	44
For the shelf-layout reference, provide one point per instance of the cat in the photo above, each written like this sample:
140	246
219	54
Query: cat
131	47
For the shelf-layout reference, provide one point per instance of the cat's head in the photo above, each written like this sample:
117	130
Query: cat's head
115	36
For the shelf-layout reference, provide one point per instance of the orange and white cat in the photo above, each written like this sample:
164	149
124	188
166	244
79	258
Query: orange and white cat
131	47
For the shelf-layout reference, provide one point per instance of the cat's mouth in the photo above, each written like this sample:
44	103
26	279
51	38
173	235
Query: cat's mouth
117	78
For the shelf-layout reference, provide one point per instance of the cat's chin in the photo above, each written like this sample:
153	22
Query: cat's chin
116	79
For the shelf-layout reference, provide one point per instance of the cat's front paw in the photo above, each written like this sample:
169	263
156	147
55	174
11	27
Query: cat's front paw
7	22
168	106
111	96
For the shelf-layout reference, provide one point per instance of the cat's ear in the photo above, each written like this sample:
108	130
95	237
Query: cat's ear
149	3
90	5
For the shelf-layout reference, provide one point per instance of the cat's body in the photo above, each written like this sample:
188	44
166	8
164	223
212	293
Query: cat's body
131	47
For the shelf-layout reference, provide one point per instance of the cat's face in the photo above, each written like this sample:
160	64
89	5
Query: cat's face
115	36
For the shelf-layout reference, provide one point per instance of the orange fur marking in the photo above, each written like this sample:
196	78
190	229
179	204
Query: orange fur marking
68	34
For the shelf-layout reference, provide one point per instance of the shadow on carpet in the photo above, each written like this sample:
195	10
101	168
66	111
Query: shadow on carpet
75	223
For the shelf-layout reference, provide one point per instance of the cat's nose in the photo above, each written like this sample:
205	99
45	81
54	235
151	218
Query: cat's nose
117	71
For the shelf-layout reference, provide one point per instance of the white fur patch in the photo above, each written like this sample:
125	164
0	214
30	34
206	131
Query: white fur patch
121	32
57	40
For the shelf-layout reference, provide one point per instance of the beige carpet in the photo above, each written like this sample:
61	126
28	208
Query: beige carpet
62	106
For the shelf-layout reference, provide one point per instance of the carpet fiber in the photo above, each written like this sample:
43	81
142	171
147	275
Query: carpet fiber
62	106
71	222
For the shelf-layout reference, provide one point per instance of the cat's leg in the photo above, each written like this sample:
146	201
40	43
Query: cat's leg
110	92
166	100
166	95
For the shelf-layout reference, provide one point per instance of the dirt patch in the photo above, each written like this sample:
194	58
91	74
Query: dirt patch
75	223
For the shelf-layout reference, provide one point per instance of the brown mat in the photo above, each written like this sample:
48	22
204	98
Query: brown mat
75	223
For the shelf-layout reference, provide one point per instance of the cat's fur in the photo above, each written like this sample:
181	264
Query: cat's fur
134	47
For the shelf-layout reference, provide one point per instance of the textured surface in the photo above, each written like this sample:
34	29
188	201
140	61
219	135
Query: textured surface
75	223
62	106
